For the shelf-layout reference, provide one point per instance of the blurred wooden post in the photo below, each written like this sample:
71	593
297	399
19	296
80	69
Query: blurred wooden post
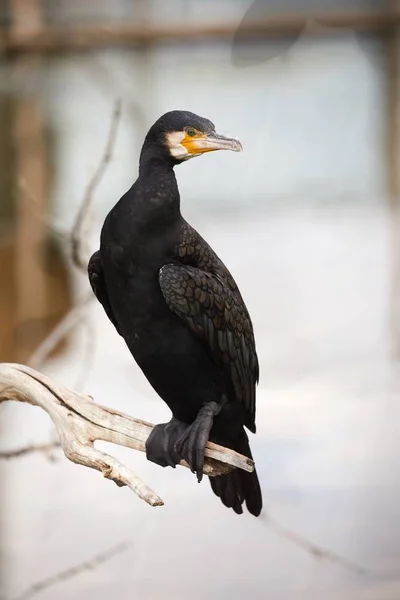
63	39
30	168
393	127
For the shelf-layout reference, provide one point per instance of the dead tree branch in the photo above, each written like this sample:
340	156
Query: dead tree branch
80	421
87	565
80	229
44	448
63	328
316	551
56	228
77	242
76	239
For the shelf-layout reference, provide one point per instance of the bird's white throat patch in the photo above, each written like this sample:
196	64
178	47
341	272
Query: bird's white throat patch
177	150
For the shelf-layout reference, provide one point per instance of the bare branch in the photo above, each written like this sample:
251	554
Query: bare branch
79	231
80	421
54	227
45	448
78	236
63	327
314	549
89	353
77	240
88	565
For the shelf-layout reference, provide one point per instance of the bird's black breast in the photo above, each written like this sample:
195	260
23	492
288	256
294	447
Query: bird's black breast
177	363
133	251
189	330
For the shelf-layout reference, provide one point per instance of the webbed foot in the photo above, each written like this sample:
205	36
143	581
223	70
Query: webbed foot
160	445
192	443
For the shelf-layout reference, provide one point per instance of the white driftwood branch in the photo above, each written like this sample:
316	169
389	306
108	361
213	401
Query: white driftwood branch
80	421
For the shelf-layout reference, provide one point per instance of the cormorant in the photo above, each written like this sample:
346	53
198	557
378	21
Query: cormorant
180	311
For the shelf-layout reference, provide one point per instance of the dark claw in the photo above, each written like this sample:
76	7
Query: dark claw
192	443
160	445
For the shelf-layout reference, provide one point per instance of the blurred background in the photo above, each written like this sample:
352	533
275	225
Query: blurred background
307	220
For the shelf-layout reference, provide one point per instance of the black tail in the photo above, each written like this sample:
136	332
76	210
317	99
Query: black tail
239	486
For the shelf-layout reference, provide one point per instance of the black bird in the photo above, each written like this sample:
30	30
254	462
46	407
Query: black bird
180	311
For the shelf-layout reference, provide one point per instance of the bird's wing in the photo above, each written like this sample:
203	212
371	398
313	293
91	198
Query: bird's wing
97	281
214	312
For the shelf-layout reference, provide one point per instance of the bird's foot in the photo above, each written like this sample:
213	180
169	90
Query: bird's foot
191	444
160	445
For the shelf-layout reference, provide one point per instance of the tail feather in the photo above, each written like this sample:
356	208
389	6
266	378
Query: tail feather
239	486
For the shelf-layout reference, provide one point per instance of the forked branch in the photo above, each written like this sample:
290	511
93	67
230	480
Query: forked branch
80	422
80	254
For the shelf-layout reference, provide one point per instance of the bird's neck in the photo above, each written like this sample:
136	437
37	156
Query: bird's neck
154	160
156	196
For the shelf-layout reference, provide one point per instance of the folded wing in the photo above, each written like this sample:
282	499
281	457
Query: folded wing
216	313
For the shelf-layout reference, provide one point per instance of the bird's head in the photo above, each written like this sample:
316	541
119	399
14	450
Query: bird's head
180	135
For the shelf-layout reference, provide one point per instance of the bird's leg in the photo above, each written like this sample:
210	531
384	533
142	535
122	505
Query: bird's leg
160	445
192	443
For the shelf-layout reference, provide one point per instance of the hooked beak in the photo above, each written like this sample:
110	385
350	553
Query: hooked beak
209	143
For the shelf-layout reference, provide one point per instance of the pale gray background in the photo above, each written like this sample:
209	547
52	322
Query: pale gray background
302	220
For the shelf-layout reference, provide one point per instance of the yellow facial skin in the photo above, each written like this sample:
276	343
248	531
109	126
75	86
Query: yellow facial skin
197	142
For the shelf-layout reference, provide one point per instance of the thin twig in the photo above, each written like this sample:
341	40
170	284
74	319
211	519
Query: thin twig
54	227
89	353
79	231
77	240
87	565
63	328
314	549
45	448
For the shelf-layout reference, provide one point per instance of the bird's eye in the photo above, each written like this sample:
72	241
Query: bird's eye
190	131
